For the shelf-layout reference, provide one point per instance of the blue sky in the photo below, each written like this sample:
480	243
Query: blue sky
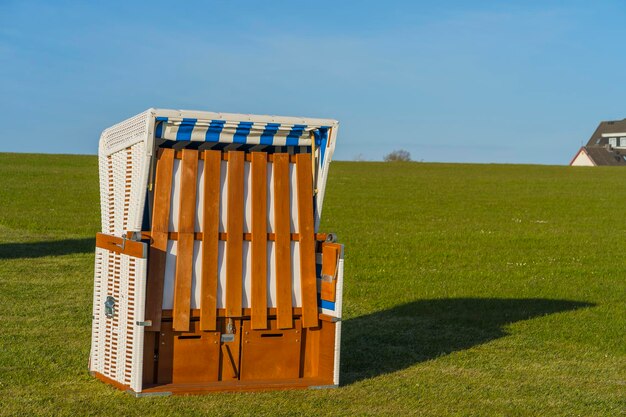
450	81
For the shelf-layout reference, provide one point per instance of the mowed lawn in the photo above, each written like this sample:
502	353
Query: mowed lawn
469	290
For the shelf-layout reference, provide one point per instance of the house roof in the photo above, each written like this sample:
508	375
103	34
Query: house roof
606	127
598	148
603	155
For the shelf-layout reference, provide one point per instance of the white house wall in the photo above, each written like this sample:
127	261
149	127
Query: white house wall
582	160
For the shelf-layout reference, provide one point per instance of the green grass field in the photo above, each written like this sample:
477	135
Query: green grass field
469	290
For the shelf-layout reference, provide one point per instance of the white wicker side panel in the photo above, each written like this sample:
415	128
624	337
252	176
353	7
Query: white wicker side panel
117	342
111	286
338	311
124	164
126	133
123	185
117	346
123	301
140	162
131	312
124	154
96	362
137	315
337	352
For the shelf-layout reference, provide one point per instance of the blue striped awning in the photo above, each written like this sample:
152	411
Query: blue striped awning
239	132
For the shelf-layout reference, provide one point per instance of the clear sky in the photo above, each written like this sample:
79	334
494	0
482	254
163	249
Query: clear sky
458	81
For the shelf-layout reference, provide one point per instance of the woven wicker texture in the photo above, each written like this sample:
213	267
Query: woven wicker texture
117	342
124	134
123	181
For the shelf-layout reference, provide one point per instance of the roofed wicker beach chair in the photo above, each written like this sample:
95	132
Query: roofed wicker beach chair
210	271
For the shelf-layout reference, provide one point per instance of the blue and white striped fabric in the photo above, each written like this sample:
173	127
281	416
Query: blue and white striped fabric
240	133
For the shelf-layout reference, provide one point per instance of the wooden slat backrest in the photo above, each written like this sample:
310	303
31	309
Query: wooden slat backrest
233	261
258	171
282	244
184	250
210	240
234	228
158	247
308	280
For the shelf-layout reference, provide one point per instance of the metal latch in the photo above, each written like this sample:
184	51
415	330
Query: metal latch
229	336
230	327
329	278
123	245
109	307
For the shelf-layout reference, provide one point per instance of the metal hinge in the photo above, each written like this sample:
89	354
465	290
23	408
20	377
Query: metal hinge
328	278
109	307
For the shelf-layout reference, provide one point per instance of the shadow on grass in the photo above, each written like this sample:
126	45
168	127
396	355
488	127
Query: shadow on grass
46	248
394	339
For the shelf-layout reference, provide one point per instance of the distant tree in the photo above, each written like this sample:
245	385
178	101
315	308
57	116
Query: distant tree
359	157
399	155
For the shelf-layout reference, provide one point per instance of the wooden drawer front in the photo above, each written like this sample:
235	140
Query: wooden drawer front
188	357
271	354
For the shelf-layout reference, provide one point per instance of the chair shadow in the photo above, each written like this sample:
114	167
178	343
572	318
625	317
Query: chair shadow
394	339
46	248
